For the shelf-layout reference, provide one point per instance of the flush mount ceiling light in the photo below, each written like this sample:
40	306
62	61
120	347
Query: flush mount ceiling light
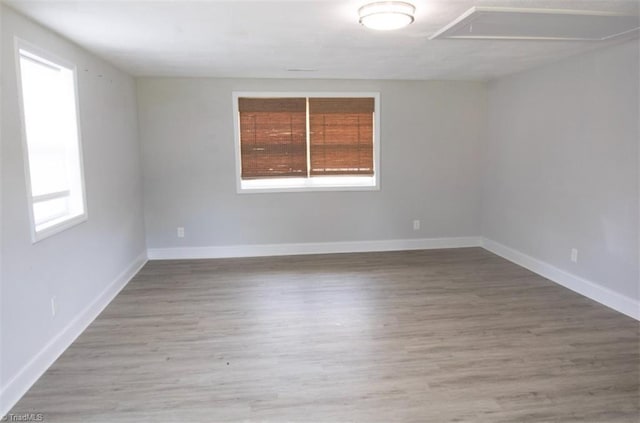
386	15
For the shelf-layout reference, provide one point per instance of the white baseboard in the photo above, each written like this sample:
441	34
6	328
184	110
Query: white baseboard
264	250
31	372
589	289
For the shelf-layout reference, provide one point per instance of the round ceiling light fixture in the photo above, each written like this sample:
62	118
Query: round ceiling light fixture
386	15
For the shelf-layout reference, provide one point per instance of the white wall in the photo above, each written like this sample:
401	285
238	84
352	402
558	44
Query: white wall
562	165
81	265
431	137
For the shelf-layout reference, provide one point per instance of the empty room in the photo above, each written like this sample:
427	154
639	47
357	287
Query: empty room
320	211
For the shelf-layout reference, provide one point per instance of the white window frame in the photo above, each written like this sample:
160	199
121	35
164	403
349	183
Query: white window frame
317	183
62	222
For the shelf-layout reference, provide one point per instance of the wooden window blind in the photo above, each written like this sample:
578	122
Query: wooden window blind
274	142
341	136
273	137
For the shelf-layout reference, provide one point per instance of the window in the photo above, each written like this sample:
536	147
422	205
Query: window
51	142
318	141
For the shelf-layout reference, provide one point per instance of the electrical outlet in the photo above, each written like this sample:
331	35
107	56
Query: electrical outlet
416	225
180	232
53	306
574	255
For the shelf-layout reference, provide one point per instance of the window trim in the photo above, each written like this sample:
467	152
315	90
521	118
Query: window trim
295	184
60	224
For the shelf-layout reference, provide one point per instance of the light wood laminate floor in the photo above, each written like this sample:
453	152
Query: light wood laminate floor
421	336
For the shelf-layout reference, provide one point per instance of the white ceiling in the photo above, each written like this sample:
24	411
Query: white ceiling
266	38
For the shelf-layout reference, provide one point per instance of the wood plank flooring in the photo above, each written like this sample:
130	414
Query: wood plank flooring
421	336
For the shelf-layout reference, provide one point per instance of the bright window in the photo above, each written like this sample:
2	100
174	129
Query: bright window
53	156
306	142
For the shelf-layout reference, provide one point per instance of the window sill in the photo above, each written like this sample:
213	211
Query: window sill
56	226
327	183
